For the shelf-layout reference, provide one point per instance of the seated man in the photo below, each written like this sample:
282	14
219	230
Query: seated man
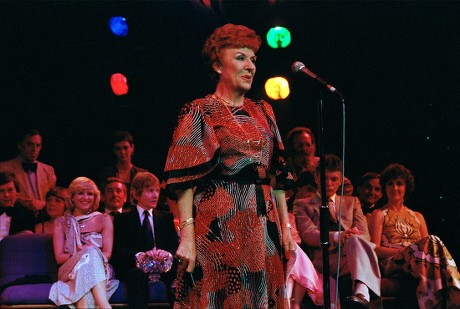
358	258
34	178
144	230
113	197
369	192
14	218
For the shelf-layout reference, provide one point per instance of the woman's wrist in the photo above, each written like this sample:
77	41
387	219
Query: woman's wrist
286	225
185	223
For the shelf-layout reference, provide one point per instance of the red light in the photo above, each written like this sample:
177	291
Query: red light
119	84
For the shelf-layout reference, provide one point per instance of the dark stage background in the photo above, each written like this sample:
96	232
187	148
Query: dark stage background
397	64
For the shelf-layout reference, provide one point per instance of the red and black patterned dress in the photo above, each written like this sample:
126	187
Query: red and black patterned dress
228	154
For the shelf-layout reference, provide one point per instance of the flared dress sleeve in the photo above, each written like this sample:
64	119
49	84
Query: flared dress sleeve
193	150
279	167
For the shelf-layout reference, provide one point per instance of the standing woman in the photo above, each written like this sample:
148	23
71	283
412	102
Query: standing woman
83	240
403	244
226	150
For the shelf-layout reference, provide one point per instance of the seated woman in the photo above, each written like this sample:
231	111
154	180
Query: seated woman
54	207
83	240
403	244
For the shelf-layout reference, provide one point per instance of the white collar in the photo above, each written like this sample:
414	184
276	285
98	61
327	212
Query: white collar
141	210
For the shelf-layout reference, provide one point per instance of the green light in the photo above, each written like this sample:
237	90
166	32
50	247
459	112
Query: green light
278	37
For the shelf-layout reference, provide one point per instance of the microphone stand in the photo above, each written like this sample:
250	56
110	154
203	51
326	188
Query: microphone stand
324	210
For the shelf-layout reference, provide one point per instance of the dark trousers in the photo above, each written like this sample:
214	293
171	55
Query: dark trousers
137	284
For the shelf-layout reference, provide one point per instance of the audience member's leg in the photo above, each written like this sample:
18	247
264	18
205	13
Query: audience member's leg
138	288
363	264
100	295
298	293
82	303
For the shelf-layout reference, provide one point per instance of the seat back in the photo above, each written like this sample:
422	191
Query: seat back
27	254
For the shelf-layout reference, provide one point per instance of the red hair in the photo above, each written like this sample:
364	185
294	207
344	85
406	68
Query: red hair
229	35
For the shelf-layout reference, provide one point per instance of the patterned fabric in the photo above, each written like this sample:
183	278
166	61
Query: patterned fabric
227	156
426	259
400	229
86	268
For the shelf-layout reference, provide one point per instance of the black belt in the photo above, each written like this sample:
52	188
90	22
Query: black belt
251	174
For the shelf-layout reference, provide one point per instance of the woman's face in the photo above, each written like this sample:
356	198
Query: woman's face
83	201
237	68
54	206
396	189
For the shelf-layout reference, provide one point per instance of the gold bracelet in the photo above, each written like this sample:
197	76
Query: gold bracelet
186	222
288	225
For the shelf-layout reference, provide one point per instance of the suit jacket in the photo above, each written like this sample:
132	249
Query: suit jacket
307	213
46	179
128	239
21	219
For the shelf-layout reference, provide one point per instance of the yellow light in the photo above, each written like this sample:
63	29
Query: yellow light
277	88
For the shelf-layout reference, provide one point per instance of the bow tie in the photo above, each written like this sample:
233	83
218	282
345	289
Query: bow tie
29	166
7	210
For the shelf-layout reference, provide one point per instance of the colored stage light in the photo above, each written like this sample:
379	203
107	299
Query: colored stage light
278	37
119	84
118	26
277	88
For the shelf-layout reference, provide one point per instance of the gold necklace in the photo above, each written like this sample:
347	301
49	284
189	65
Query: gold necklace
249	140
226	103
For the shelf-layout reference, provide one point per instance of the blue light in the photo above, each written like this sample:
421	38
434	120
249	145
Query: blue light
118	26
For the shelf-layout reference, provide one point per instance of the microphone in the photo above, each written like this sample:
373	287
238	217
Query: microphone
300	67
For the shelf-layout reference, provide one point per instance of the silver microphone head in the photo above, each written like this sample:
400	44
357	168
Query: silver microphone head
297	66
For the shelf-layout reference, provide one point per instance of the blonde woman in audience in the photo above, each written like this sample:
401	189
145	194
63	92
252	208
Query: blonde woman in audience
83	240
54	207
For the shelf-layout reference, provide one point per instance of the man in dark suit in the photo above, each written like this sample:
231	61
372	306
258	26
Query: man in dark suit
34	178
143	231
358	258
14	218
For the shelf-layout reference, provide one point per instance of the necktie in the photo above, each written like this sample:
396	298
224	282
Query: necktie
332	212
147	231
32	167
113	213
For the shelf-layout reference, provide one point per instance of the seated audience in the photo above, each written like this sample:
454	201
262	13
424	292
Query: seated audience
404	245
302	275
358	258
54	208
83	240
300	150
14	218
113	197
304	187
34	178
144	230
124	169
369	192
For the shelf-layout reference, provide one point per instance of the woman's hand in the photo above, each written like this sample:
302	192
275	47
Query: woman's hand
288	243
186	252
79	248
